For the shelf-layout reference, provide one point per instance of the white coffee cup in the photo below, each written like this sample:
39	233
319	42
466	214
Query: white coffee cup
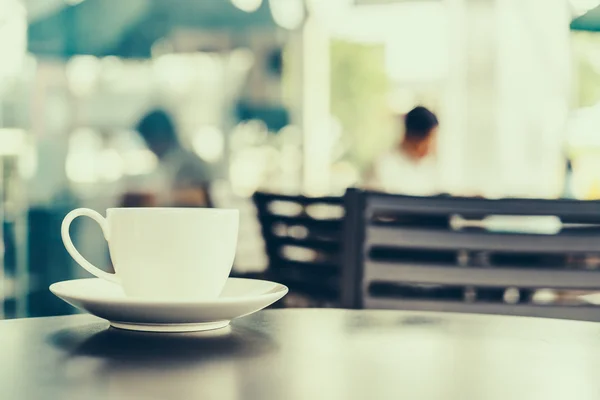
170	254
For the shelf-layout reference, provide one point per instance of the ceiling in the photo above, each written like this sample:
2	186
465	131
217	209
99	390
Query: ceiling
128	28
590	21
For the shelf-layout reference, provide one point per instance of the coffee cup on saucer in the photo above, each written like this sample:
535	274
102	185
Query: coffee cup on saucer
164	254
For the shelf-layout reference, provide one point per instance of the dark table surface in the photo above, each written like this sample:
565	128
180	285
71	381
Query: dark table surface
305	354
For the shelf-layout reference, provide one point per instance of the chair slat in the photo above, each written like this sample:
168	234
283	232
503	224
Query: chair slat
481	277
567	210
407	242
481	241
318	277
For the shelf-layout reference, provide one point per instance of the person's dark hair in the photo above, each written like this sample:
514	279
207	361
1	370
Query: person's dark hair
157	126
419	123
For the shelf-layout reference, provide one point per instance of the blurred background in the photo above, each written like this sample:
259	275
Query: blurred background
286	96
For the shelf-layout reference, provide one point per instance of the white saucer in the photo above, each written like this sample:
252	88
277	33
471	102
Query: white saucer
106	300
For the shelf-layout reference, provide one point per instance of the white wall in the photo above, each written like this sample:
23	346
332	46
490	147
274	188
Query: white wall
507	97
534	89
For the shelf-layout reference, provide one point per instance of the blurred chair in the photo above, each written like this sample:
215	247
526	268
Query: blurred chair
303	243
49	262
510	256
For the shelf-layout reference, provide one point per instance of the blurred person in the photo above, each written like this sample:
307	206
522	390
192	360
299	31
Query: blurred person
411	167
181	179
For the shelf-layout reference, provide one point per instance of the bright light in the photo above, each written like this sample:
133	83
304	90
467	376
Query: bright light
92	166
28	162
13	37
209	143
247	170
139	162
110	165
247	5
12	141
241	59
135	157
82	74
81	165
112	68
80	169
247	134
288	14
177	73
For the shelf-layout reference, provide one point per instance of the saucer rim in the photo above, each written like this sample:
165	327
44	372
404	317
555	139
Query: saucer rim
170	328
279	290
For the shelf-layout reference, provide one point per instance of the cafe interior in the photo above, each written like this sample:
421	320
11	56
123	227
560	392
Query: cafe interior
284	108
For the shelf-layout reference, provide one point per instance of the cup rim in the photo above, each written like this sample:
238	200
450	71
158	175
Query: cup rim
175	209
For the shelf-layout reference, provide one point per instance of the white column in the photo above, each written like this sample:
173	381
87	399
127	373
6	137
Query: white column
468	116
316	108
480	141
534	80
507	96
451	152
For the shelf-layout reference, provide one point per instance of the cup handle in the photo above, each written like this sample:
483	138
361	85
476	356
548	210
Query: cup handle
64	231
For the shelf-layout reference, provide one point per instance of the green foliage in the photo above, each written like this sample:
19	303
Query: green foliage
359	90
586	48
